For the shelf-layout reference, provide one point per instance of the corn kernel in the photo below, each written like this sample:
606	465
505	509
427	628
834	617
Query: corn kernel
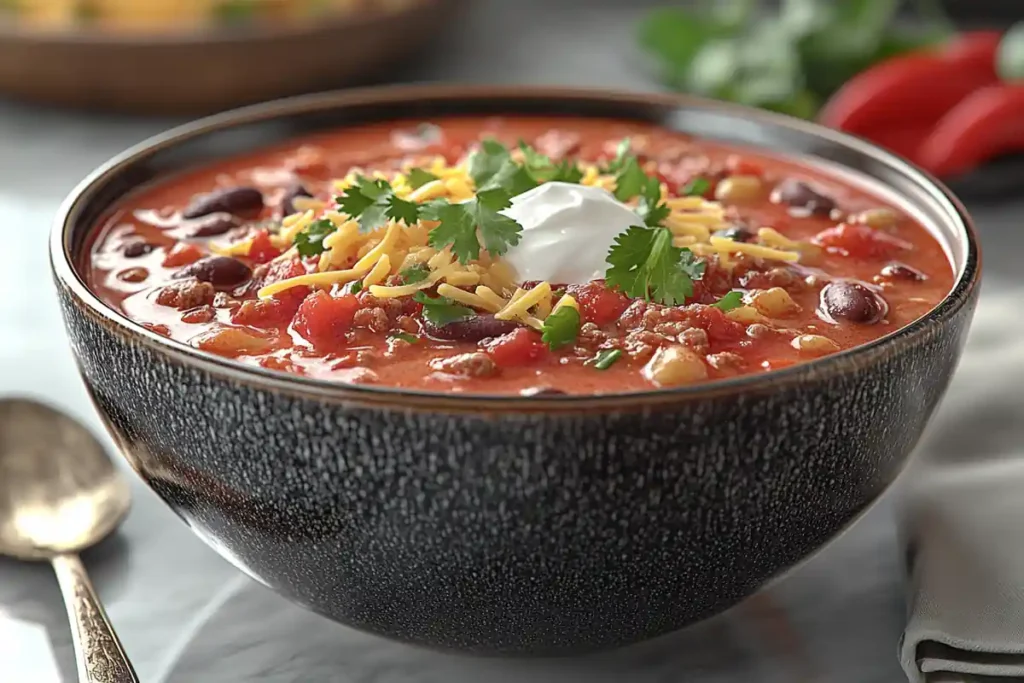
739	188
879	219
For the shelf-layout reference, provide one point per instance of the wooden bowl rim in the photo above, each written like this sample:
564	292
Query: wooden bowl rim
12	32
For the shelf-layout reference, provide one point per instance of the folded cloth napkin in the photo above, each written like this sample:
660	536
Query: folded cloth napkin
963	516
965	532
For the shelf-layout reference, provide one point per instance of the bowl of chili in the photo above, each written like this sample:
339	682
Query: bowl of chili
296	323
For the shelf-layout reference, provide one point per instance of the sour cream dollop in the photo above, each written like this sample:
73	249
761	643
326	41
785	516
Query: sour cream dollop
567	232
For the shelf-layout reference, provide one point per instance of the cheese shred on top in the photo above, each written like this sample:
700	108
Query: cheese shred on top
378	258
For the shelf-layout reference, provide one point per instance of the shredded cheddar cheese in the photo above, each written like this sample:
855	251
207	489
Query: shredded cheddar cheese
486	283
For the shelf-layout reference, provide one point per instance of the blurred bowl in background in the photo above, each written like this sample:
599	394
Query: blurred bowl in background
151	63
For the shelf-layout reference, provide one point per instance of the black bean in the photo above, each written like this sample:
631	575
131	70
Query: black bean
542	391
223	272
800	196
737	233
901	271
471	329
137	248
231	200
288	200
852	301
212	225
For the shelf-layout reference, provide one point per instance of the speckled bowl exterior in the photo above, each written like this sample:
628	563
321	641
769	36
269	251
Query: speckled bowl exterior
512	526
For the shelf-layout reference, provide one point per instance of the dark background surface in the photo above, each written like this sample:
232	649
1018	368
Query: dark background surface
186	616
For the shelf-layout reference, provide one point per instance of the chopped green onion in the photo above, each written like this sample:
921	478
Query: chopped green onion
605	359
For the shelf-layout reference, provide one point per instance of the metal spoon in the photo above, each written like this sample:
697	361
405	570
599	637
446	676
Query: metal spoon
60	494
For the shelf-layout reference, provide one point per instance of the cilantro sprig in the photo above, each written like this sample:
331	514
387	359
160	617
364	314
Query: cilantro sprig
631	182
462	226
441	310
310	241
645	264
561	328
373	202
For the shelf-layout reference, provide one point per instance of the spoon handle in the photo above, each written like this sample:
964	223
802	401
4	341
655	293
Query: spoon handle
100	656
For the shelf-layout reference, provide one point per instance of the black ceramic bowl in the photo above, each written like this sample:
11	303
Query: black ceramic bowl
499	525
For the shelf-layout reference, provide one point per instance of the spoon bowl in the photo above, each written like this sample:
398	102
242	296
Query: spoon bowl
59	491
60	494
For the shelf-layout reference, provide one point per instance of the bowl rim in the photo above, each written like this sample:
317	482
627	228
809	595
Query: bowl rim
11	30
848	360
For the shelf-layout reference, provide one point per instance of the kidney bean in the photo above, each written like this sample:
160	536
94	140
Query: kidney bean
288	200
223	272
800	196
901	271
542	391
472	329
137	248
231	200
852	301
737	233
213	224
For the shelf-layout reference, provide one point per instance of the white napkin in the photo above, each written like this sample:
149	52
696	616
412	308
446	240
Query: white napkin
963	521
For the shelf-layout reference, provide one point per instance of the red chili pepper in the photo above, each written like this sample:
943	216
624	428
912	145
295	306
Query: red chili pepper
911	92
986	124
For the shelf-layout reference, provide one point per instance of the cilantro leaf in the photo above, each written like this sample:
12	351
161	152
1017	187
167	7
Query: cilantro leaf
414	274
729	301
373	202
510	177
487	161
567	172
644	263
441	310
650	208
561	328
605	359
418	178
353	201
310	241
697	187
542	169
622	155
463	225
402	210
630	180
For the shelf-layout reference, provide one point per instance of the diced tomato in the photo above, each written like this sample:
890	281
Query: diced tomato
520	347
323	319
737	165
182	254
262	250
718	325
860	241
283	270
599	304
276	311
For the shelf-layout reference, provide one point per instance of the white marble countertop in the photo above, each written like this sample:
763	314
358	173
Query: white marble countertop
186	616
